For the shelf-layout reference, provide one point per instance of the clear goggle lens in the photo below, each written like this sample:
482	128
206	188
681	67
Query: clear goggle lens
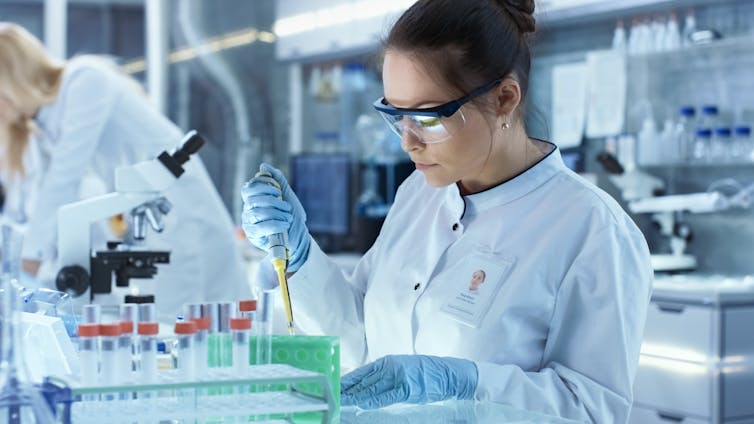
428	129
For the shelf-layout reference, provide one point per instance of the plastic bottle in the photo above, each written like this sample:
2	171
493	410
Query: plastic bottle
631	45
744	148
684	133
701	151
710	117
689	26
620	43
672	34
722	145
647	142
668	146
657	28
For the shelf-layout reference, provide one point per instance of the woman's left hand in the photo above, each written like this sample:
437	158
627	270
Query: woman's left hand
408	378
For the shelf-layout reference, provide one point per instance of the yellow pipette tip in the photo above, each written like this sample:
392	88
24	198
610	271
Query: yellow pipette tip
279	265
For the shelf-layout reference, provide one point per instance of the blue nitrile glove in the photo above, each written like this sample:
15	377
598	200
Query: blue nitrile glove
264	215
408	378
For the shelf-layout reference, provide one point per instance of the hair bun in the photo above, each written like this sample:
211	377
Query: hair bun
522	12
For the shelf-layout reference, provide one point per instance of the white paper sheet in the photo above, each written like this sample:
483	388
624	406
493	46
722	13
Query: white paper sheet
606	99
568	104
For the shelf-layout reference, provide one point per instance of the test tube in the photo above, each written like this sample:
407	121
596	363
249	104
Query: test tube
248	309
201	340
125	347
227	311
185	332
192	310
148	351
264	332
91	314
89	353
210	311
109	335
240	328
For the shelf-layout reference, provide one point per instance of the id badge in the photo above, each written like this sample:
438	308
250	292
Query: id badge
474	285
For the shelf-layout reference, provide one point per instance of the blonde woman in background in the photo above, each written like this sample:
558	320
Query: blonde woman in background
65	124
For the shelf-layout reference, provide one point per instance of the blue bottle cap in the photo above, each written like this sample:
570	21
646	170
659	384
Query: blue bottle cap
743	131
722	132
710	110
688	111
704	132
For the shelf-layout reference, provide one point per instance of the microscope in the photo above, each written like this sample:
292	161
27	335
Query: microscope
641	190
137	192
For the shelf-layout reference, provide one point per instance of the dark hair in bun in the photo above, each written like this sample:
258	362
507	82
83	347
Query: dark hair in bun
468	43
522	13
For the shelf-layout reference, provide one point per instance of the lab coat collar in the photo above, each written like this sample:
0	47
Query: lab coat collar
507	191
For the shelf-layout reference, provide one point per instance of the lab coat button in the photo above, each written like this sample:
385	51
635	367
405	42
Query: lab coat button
455	226
416	287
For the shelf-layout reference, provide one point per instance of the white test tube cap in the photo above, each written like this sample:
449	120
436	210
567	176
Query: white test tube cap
147	312
91	314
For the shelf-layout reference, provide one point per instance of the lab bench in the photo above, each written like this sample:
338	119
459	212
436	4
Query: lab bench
697	358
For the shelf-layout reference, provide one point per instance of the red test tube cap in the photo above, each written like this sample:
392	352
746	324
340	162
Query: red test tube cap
240	323
185	327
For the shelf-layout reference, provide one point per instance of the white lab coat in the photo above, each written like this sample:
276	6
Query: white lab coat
100	122
568	275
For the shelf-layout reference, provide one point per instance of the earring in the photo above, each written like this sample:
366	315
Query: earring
506	124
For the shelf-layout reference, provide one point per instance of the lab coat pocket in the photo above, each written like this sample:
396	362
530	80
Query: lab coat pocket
472	284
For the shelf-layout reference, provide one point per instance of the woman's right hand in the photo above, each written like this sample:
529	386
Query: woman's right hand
265	214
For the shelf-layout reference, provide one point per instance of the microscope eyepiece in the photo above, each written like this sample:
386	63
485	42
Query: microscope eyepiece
190	144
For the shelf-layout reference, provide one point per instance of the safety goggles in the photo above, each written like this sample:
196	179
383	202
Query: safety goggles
433	124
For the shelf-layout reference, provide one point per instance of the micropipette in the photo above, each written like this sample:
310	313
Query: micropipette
279	254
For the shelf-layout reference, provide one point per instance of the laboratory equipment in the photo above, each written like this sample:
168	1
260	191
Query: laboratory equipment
240	328
186	359
20	400
138	190
264	329
227	311
278	254
702	142
89	353
201	340
211	311
721	145
148	351
248	309
110	373
743	144
91	314
129	317
125	349
684	135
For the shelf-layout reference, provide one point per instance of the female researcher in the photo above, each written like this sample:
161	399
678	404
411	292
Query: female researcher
558	325
85	119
